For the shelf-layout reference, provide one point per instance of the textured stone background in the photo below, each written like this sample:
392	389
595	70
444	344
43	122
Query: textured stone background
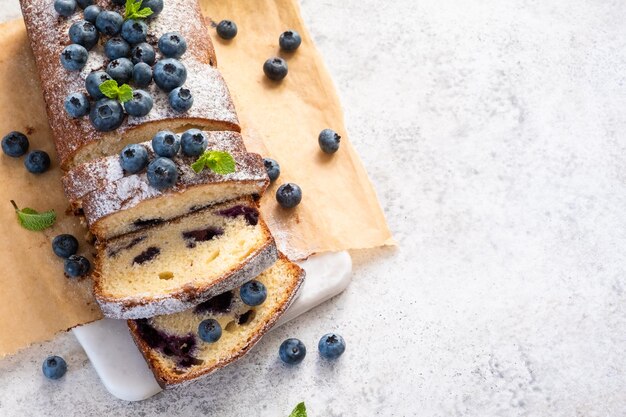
495	135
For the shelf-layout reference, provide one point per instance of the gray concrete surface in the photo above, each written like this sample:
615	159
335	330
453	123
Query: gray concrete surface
494	133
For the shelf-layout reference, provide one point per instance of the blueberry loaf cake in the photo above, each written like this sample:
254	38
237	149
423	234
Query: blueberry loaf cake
175	265
184	346
171	85
99	173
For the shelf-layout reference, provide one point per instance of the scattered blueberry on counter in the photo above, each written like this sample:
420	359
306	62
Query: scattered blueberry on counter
272	168
65	7
106	115
193	142
121	70
253	293
331	346
292	351
210	330
289	40
77	266
155	5
169	73
77	105
91	13
289	195
116	48
142	75
166	143
133	158
162	173
140	105
134	31
37	162
84	33
64	245
93	81
54	367
15	144
109	23
226	29
180	99
329	141
119	2
74	57
172	45
143	52
275	68
83	4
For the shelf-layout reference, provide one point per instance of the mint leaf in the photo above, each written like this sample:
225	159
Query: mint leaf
31	219
299	411
133	10
110	89
143	13
219	162
125	93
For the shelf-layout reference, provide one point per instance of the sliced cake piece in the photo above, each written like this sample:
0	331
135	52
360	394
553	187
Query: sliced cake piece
100	172
175	352
178	264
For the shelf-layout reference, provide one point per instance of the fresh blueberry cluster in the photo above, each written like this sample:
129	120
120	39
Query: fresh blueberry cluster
162	172
331	346
66	246
131	60
15	145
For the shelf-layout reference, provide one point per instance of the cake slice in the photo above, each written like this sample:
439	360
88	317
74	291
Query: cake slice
175	265
176	354
101	172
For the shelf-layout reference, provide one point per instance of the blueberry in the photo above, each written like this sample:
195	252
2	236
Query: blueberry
166	143
119	2
193	142
289	195
54	367
143	52
162	173
65	7
289	40
331	346
84	3
65	245
140	105
91	13
329	141
77	105
227	29
116	48
172	45
121	70
76	266
37	162
133	158
181	99
275	68
253	293
106	115
84	33
74	57
109	23
93	81
134	31
272	168
169	73
155	5
292	351
210	330
142	74
15	144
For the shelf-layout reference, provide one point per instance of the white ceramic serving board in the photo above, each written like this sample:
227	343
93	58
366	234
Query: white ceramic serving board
126	375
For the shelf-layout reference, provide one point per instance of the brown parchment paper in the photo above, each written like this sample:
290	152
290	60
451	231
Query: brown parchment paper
339	210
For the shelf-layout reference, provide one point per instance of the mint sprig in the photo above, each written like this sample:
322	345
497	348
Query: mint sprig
112	90
219	162
133	10
299	411
31	219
